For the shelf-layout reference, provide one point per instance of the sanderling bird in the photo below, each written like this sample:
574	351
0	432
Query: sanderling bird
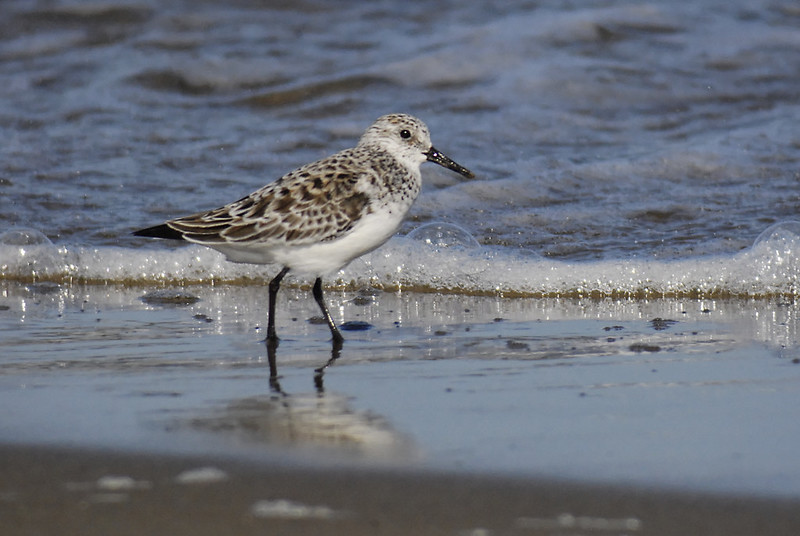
316	219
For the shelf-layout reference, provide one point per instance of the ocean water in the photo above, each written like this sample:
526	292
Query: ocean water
620	148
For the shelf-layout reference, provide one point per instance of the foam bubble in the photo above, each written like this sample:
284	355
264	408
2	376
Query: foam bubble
775	258
783	236
28	253
444	235
21	236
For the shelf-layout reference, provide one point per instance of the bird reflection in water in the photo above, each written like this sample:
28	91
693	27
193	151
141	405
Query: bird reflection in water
319	373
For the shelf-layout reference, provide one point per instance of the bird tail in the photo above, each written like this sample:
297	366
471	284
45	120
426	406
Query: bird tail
160	231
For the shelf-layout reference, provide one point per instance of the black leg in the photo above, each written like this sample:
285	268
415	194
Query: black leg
274	285
337	337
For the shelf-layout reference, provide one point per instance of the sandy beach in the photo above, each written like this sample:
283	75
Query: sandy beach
87	492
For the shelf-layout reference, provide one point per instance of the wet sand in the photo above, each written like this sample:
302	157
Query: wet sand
448	415
63	491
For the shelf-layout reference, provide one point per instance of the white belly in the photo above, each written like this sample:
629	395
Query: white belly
321	258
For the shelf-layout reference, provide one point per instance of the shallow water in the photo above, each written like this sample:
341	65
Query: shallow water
683	394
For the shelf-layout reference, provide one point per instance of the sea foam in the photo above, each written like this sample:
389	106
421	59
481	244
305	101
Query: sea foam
436	257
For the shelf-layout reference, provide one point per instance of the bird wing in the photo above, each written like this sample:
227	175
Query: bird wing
317	202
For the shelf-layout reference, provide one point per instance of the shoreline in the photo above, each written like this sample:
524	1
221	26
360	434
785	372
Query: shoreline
85	491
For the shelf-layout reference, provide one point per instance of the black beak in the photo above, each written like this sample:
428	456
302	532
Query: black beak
438	158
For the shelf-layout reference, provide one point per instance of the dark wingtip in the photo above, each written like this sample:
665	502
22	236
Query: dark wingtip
160	231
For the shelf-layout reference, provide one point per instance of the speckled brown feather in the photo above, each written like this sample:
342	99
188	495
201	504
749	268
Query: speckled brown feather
318	202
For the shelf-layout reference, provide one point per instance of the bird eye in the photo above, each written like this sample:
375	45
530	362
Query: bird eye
405	134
